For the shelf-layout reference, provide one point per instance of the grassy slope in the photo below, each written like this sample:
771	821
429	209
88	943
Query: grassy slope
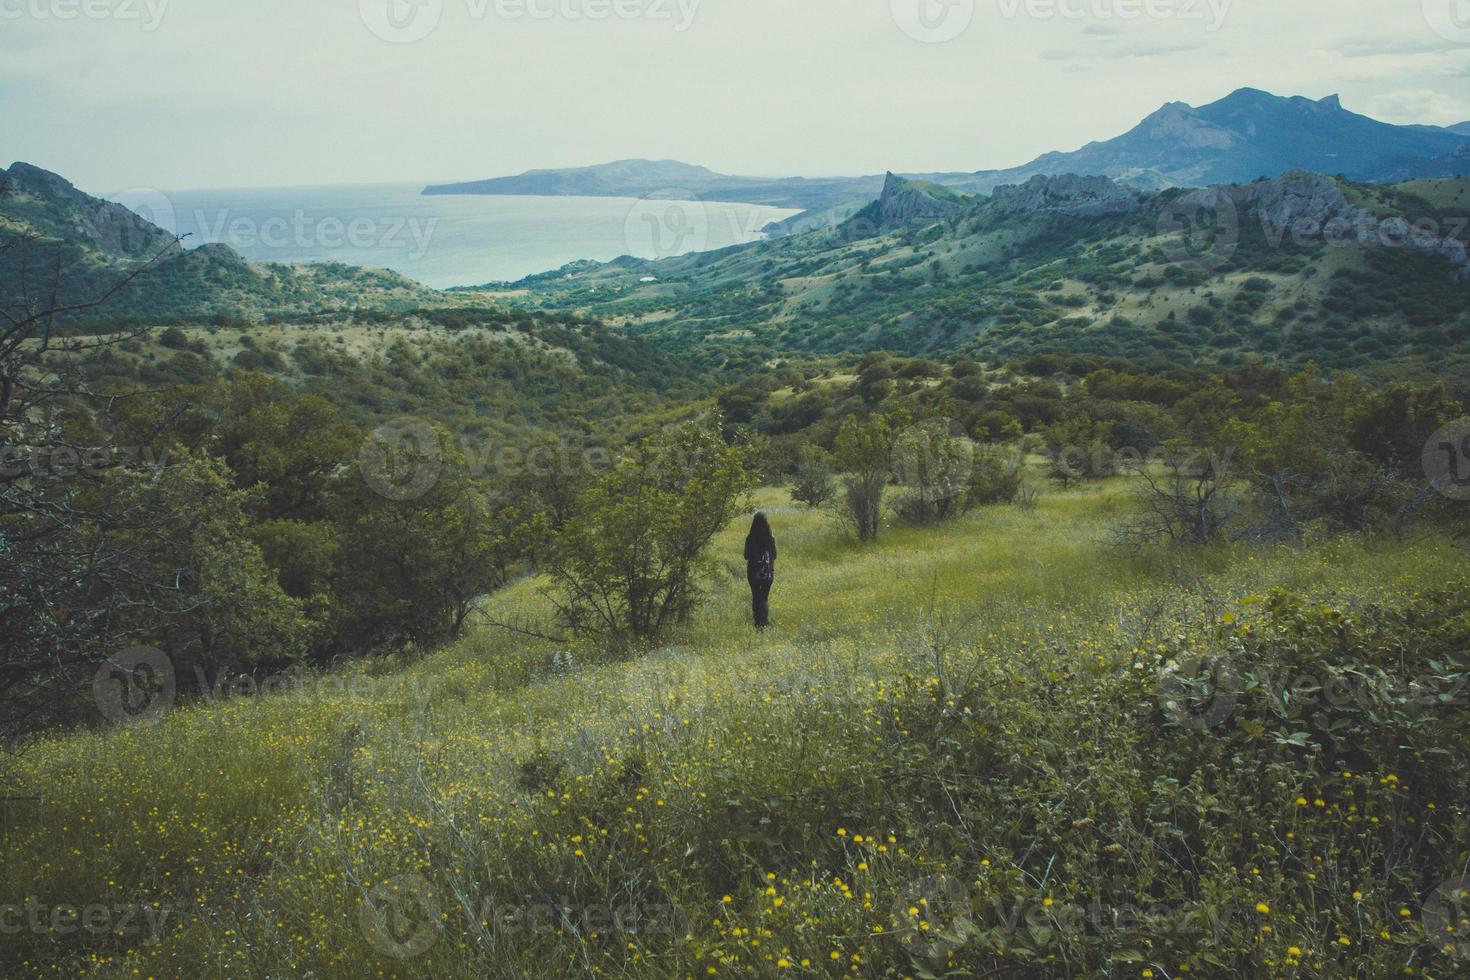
687	773
488	374
999	286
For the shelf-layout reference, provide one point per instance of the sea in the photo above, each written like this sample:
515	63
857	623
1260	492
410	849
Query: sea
445	240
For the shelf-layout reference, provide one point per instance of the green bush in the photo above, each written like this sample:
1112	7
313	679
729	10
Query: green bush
629	563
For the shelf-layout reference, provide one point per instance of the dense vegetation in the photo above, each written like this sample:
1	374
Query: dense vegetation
948	759
991	284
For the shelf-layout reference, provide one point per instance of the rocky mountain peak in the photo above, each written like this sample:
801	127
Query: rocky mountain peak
903	201
63	210
1066	194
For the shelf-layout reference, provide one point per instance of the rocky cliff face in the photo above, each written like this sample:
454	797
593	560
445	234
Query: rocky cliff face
904	201
54	204
1314	207
1068	194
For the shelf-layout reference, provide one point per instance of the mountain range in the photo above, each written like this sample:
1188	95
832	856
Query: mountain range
1247	134
1307	267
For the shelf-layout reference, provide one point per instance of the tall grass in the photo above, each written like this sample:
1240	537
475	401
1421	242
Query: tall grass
731	803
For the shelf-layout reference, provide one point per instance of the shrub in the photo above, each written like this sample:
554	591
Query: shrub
864	449
626	565
813	484
998	477
934	462
1192	504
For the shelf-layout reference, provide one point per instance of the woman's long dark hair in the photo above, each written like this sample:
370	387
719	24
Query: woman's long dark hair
760	530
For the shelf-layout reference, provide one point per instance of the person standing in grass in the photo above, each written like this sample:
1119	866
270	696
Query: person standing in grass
760	568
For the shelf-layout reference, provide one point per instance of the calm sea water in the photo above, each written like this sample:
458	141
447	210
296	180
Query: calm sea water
443	241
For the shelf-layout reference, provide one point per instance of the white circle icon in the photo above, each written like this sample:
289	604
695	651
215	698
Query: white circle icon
401	21
932	21
1450	19
666	223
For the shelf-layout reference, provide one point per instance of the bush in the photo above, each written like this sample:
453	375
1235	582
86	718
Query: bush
864	450
934	462
998	477
627	564
813	484
1189	504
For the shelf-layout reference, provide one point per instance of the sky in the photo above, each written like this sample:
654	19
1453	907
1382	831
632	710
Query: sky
174	94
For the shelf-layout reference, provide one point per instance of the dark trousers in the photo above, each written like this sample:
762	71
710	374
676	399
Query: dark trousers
760	594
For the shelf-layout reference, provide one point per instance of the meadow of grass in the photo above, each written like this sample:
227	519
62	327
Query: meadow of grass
950	756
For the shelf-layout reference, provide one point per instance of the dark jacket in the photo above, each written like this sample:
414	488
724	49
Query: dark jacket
753	548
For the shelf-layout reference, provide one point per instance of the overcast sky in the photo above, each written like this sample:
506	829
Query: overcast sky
211	93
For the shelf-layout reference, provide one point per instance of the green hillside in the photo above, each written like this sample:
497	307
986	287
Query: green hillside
58	237
994	284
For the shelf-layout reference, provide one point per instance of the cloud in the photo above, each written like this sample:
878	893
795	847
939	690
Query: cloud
1419	106
1112	51
1156	49
1378	47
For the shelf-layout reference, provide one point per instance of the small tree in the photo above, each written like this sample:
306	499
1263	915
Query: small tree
934	460
1190	505
1080	449
864	451
813	484
998	476
419	543
627	565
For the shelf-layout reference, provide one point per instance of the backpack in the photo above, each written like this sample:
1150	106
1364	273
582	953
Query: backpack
765	570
